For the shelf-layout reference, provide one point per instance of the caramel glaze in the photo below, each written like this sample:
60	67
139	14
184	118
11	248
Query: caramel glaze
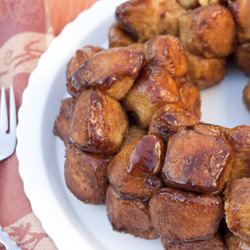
134	171
98	72
98	123
82	55
146	158
166	50
169	119
153	89
158	83
197	160
183	217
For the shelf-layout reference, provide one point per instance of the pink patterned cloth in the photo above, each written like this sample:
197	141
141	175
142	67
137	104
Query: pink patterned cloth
24	35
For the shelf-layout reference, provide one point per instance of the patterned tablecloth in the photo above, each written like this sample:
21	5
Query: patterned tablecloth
25	33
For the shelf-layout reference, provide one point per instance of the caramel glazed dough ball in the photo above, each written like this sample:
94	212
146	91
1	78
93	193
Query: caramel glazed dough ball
114	79
208	31
237	208
98	123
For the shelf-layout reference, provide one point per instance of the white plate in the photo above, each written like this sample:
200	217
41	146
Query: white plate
70	223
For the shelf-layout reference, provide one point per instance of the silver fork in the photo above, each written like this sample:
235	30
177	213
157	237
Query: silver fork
7	129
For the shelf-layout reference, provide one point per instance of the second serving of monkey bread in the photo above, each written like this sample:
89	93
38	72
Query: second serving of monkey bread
132	131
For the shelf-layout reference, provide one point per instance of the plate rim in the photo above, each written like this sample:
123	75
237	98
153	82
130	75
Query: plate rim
54	232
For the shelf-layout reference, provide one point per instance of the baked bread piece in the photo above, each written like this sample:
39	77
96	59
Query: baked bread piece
240	10
153	89
139	47
207	2
206	72
132	134
183	217
191	98
242	57
198	161
144	19
188	4
214	243
233	242
246	96
80	57
208	31
63	119
167	52
86	175
116	78
118	37
129	216
134	172
98	123
239	139
237	207
169	119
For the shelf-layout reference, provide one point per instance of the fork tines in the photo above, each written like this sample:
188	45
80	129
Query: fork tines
7	129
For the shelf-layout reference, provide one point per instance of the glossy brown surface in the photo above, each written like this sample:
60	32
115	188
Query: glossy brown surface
81	56
153	88
208	31
237	207
63	119
115	78
86	175
169	13
98	124
118	37
207	2
132	134
169	119
180	216
214	243
241	10
197	161
190	96
166	51
235	243
138	46
134	171
239	138
145	19
246	96
242	57
137	18
188	4
206	72
129	216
